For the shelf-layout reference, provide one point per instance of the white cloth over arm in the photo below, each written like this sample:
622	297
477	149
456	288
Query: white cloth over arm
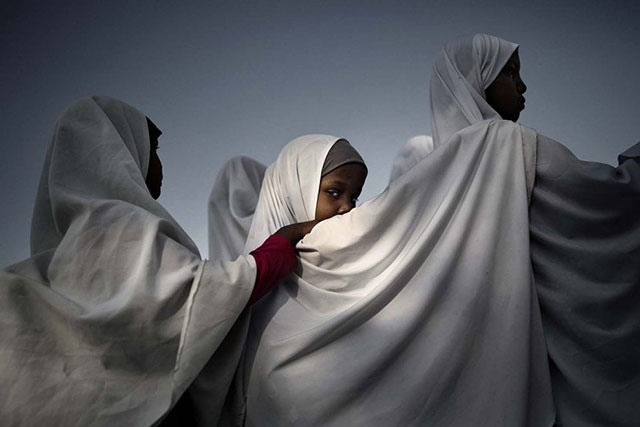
114	313
416	308
585	247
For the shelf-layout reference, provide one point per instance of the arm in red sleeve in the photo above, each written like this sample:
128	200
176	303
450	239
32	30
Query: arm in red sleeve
275	260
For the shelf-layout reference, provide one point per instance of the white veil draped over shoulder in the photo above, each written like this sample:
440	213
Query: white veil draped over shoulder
114	313
418	307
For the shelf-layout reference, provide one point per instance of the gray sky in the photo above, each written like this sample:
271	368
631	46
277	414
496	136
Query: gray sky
225	78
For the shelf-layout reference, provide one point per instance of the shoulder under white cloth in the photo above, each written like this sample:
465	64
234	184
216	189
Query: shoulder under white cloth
416	308
114	313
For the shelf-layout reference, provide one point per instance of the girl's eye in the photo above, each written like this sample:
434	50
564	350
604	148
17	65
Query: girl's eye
333	193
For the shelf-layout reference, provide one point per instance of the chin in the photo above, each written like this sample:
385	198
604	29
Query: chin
514	117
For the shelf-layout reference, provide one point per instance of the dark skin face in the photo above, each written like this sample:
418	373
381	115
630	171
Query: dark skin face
505	92
339	190
154	174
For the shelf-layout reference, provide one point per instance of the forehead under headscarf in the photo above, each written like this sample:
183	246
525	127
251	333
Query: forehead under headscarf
462	71
340	154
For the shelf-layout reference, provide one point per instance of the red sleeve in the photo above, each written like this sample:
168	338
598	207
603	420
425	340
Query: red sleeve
275	260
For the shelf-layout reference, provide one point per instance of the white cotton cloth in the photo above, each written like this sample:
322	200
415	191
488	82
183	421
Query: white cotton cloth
415	149
416	308
114	313
585	248
232	202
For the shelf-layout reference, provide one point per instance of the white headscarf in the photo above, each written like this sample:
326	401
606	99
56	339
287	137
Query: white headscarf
114	314
290	188
463	69
416	148
232	203
416	308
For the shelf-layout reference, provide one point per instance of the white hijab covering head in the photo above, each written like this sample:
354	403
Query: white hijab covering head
462	71
114	313
290	188
99	151
232	203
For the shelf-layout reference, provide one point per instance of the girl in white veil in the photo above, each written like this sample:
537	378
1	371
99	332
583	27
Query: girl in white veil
115	313
585	249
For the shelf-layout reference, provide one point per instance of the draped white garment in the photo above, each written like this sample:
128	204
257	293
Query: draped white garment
585	248
114	313
416	308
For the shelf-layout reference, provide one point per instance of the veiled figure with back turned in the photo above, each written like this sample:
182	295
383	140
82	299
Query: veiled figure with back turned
585	249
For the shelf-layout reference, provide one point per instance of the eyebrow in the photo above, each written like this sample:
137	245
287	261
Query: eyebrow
336	182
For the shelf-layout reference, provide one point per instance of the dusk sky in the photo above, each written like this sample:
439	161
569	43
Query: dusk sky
225	78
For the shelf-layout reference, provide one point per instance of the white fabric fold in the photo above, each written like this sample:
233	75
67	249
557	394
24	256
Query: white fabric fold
114	313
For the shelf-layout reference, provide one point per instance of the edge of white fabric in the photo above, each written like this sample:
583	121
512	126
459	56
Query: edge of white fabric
529	151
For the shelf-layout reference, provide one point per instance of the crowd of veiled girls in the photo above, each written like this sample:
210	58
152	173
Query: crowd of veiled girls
495	281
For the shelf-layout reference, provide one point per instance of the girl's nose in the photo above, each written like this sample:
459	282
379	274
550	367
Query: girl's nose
345	207
522	88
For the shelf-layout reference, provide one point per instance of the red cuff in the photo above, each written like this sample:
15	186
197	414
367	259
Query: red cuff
275	260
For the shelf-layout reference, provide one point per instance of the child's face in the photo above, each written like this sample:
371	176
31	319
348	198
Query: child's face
154	173
339	190
505	93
